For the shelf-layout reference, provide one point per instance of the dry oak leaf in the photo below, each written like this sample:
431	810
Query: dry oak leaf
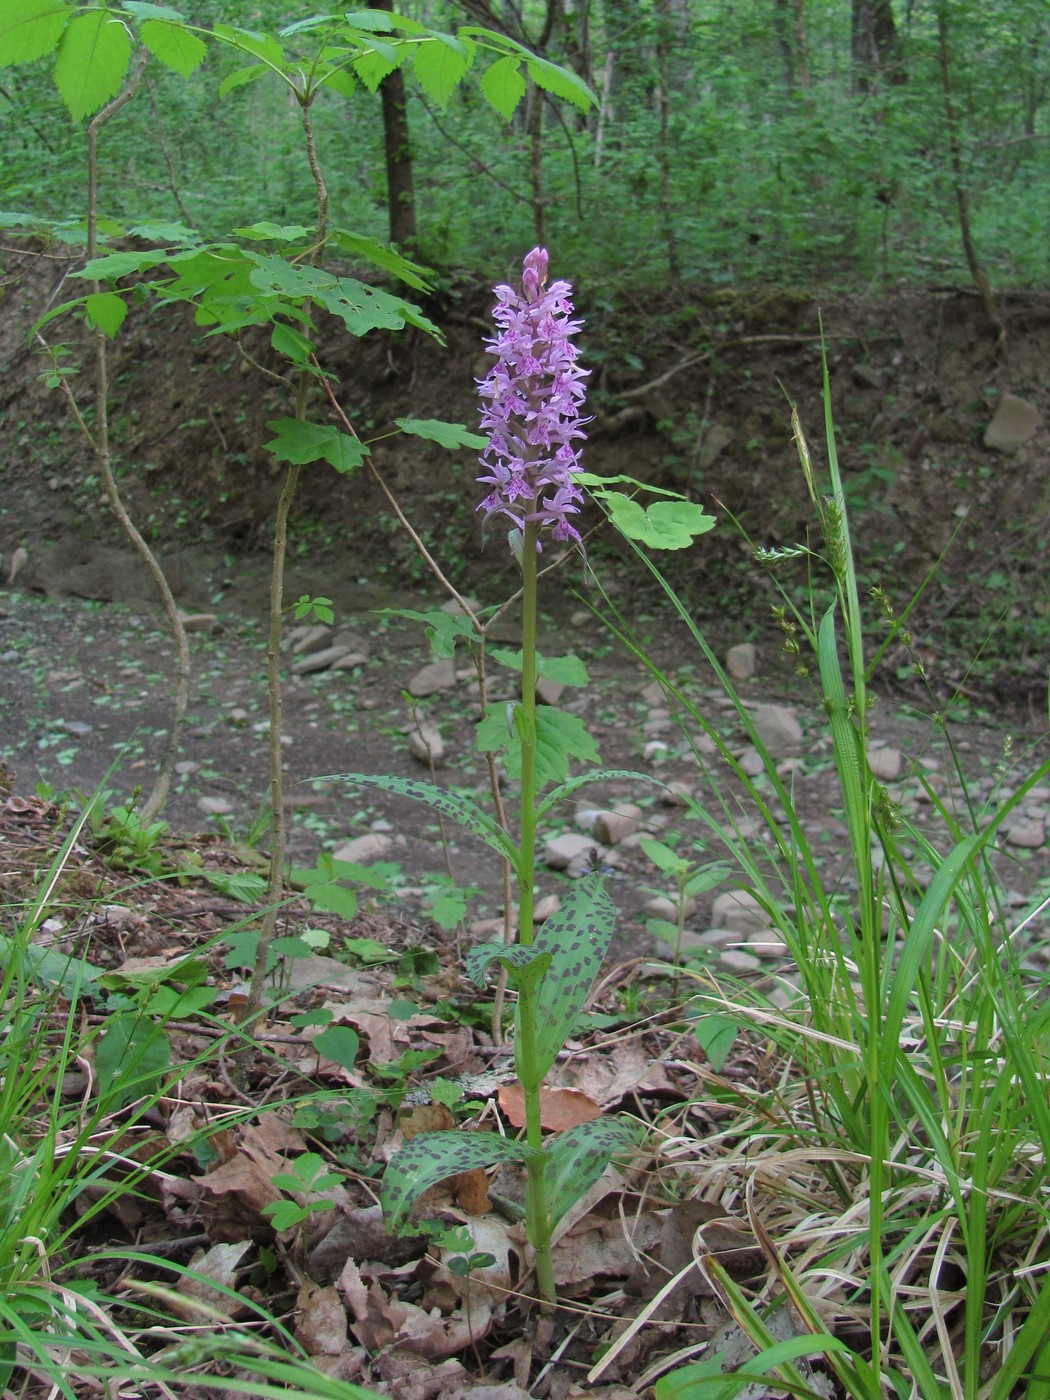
559	1108
321	1328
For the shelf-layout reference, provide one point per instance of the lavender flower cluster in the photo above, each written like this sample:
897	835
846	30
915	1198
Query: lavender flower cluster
532	400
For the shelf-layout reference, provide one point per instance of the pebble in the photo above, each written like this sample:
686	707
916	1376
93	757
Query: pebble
426	745
1027	832
885	762
428	680
311	637
778	729
373	845
569	851
319	660
739	910
767	944
751	763
185	767
75	727
738	961
675	794
741	661
214	806
546	907
655	751
615	824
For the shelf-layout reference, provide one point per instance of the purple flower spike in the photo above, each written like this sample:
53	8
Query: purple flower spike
531	411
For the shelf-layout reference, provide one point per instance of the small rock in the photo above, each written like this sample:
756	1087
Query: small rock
751	763
349	661
778	729
19	558
885	762
185	767
738	910
200	622
214	806
545	907
767	944
309	662
453	608
586	816
675	794
238	715
655	750
426	744
654	694
548	692
438	675
736	960
741	661
75	727
1014	422
1028	832
568	851
661	907
719	938
313	637
373	845
866	376
612	826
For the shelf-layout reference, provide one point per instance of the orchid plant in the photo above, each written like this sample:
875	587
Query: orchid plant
533	426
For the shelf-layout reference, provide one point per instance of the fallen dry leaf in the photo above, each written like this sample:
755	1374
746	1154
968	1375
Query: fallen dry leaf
203	1300
559	1108
321	1328
380	1320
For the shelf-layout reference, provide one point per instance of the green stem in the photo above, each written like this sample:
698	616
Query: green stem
537	1206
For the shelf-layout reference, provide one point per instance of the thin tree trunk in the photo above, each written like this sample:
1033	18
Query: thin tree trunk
962	197
401	193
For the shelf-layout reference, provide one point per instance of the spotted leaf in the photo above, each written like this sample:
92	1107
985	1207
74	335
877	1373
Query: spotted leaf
459	809
577	1158
432	1157
598	775
524	964
576	937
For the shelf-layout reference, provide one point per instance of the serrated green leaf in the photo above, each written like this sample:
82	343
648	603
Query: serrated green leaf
261	46
266	231
563	670
433	1157
377	62
451	435
443	629
439	63
380	255
362	309
112	266
173	45
93	59
577	1158
295	346
241	78
577	939
338	1043
524	963
285	1214
106	312
663	525
559	738
561	83
31	29
339	80
503	85
298	442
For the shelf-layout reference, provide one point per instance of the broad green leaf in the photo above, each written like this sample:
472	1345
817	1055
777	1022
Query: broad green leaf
564	670
298	442
174	46
131	1056
363	309
31	29
330	898
577	939
245	886
449	804
577	1158
561	83
439	64
433	1157
525	964
559	738
663	525
111	266
443	629
292	344
162	231
338	80
266	231
663	857
381	21
503	85
105	312
451	435
380	255
377	62
92	61
262	46
338	1043
186	971
716	1036
241	78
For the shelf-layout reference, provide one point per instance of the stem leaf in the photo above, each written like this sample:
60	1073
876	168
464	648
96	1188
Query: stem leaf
460	809
433	1157
524	963
577	1158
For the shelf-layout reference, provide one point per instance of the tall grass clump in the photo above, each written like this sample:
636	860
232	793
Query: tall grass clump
894	1166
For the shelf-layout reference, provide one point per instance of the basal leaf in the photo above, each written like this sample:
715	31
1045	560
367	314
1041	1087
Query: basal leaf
131	1055
715	1035
338	1043
459	809
93	58
432	1157
451	435
106	312
503	85
173	45
31	29
577	938
525	964
439	63
577	1158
